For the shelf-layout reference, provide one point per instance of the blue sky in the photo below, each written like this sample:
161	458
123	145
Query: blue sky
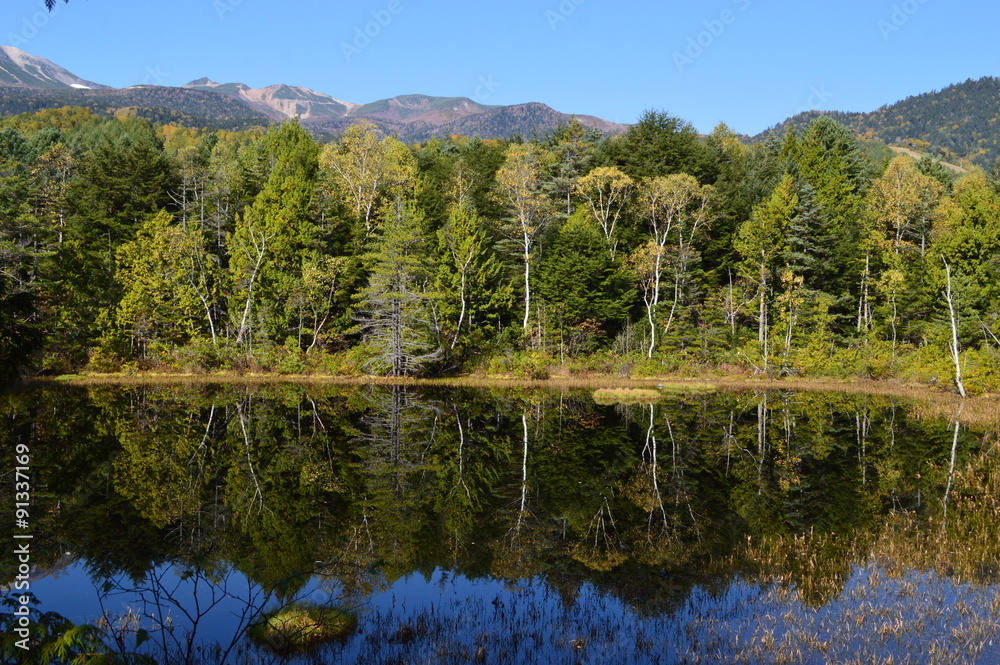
749	63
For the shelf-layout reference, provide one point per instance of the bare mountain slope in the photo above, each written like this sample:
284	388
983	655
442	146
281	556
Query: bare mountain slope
18	68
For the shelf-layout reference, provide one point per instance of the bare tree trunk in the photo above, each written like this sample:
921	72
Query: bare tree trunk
951	466
864	308
527	280
652	302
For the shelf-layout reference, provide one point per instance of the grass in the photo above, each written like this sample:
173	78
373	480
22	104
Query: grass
914	591
647	395
626	395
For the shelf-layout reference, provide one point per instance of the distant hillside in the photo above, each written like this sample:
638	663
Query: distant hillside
279	101
157	104
411	117
959	122
521	119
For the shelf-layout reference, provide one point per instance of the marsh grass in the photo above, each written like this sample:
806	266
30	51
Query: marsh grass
920	589
875	617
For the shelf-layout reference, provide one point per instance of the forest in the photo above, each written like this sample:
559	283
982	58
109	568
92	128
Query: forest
128	246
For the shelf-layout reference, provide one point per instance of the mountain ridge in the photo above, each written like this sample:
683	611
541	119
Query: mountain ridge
18	68
30	83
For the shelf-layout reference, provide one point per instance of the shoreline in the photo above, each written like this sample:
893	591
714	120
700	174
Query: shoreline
982	410
852	386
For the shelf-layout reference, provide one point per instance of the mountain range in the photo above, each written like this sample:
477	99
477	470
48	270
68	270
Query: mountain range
960	123
29	83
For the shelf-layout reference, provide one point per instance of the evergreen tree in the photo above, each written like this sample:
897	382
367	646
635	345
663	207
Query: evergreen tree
582	285
658	145
397	307
20	337
165	298
271	237
827	158
572	146
470	275
760	243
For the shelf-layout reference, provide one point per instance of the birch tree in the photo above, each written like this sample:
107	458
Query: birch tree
901	207
675	208
367	172
470	271
519	186
607	192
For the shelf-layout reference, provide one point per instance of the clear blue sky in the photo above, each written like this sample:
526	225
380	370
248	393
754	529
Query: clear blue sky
749	63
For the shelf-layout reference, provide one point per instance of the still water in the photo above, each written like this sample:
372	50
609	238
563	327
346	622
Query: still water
510	526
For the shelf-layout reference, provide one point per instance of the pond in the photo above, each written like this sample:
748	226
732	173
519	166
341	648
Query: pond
498	526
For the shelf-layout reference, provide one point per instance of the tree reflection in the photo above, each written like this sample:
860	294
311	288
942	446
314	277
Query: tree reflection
354	488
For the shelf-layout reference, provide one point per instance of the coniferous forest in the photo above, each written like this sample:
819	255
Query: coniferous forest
131	246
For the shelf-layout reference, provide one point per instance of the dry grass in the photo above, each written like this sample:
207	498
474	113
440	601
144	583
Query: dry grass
626	395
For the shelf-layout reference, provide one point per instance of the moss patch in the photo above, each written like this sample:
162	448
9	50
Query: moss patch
300	627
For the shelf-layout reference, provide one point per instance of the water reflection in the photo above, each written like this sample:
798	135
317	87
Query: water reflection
358	493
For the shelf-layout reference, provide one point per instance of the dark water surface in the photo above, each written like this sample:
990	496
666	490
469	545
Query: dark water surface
511	526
